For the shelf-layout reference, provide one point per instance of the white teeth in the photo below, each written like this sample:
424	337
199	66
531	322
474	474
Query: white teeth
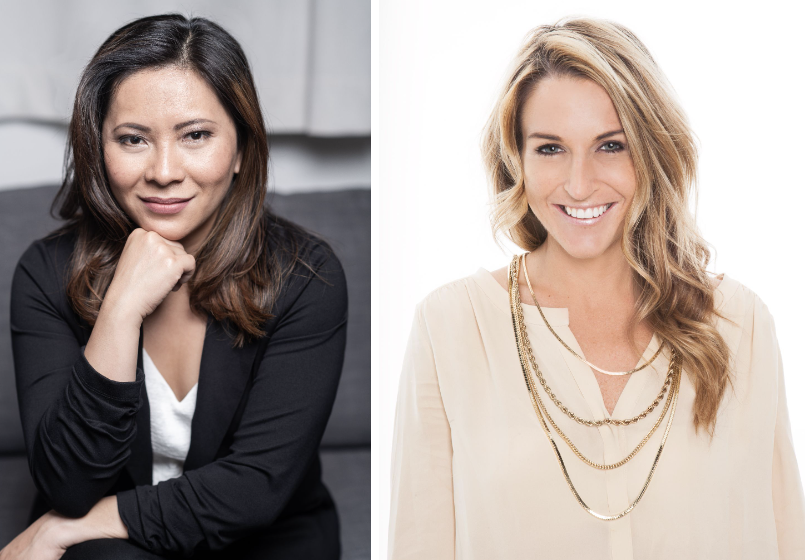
586	213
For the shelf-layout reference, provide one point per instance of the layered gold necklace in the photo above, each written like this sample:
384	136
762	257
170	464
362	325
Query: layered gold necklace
528	362
569	349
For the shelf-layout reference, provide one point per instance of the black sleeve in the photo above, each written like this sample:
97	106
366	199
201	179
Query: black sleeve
282	424
78	424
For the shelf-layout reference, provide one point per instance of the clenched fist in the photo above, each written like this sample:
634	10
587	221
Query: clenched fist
149	268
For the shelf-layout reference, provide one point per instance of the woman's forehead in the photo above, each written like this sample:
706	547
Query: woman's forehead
565	105
165	97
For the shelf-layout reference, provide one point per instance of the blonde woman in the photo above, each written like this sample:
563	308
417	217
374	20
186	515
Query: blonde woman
603	396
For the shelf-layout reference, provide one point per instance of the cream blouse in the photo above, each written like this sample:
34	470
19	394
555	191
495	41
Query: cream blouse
474	477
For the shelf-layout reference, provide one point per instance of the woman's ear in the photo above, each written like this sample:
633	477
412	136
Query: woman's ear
237	162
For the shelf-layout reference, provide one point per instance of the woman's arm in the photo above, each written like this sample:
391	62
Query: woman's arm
77	405
50	535
787	495
284	418
78	424
422	523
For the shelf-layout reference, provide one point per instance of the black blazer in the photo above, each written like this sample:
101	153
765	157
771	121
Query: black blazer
260	413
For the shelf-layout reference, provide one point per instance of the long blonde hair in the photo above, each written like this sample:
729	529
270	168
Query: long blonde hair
660	239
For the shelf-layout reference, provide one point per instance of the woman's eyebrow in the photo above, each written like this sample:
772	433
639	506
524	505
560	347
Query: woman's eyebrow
555	138
608	134
179	126
192	122
545	136
135	126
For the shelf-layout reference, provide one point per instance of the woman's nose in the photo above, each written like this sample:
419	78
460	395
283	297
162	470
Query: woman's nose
165	166
580	183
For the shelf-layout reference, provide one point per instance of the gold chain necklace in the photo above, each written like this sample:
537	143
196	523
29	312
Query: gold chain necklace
571	414
601	466
534	367
519	329
553	332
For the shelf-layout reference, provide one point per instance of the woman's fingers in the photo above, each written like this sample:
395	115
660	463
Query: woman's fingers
188	263
175	244
149	267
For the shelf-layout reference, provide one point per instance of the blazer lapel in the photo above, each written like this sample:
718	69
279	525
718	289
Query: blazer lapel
140	465
223	377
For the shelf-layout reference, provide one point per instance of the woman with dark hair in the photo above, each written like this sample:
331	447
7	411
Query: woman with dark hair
177	346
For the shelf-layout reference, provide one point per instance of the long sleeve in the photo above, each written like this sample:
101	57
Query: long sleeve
787	495
285	414
422	523
78	425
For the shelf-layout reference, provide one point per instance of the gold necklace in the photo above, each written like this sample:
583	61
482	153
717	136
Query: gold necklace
534	367
600	466
519	329
571	414
547	324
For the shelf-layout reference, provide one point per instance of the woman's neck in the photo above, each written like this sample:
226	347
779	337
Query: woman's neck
607	278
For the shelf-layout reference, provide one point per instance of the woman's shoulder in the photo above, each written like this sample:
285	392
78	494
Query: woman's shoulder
304	263
40	278
458	297
50	254
740	306
293	247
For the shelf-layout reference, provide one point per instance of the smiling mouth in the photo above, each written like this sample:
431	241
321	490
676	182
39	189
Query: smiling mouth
589	213
166	205
157	200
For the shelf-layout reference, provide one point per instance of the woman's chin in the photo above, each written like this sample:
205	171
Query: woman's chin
168	231
589	249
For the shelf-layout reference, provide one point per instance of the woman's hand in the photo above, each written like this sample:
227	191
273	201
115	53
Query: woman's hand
43	540
52	534
149	268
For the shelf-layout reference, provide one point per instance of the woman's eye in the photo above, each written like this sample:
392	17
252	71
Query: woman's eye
612	147
131	140
197	135
549	149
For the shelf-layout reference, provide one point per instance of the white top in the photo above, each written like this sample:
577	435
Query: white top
475	478
170	423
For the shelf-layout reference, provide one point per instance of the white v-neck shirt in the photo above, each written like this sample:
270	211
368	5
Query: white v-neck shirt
171	421
474	477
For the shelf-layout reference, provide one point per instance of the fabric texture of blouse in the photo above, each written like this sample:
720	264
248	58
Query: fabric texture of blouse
171	422
474	477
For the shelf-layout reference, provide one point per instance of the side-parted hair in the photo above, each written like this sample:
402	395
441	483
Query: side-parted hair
236	279
660	239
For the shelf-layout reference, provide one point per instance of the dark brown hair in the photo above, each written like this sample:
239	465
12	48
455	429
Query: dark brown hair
238	272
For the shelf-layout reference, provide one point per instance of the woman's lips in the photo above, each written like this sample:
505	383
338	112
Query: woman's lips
165	205
584	221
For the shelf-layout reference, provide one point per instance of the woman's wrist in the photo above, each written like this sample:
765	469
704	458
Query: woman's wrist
118	310
112	346
102	522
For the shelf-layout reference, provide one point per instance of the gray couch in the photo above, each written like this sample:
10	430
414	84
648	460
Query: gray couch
342	218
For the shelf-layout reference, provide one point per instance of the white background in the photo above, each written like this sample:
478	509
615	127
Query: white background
437	69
